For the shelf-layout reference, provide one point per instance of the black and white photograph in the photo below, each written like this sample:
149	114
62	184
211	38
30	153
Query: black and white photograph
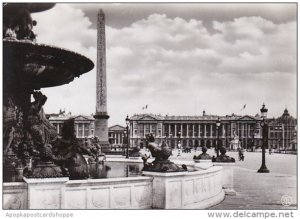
157	105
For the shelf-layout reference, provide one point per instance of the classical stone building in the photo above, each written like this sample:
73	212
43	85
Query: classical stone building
84	125
194	131
116	135
283	132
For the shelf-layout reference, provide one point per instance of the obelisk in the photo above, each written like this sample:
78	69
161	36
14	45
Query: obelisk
101	116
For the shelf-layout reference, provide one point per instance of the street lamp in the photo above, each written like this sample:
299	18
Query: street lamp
179	143
253	135
127	132
218	123
171	137
264	125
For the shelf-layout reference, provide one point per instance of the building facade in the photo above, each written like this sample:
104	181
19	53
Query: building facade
116	135
192	131
195	131
283	132
84	125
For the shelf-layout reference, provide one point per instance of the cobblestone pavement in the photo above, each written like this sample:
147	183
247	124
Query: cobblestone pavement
260	191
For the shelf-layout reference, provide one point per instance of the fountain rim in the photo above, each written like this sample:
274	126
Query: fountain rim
77	64
32	7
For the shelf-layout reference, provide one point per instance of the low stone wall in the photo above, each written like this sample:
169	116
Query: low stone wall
227	177
187	190
15	195
193	190
118	193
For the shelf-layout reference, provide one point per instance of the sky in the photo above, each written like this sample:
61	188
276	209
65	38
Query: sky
179	59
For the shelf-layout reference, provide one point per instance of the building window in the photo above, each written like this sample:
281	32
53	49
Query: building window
80	128
60	125
86	130
153	129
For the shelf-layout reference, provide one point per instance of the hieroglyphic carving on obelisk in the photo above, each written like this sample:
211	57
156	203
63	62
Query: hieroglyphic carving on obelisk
101	116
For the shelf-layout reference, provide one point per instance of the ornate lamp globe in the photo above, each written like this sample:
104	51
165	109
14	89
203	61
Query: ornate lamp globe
264	111
218	122
127	120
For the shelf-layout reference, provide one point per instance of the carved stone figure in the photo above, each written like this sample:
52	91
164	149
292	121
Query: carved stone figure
203	156
12	125
41	130
28	136
223	157
18	25
161	155
69	153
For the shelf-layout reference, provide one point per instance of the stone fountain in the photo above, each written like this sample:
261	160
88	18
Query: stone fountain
31	144
28	66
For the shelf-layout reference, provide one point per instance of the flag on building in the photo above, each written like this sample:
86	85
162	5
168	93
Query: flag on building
145	107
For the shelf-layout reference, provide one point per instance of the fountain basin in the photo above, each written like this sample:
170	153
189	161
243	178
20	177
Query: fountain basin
38	65
182	190
187	190
227	176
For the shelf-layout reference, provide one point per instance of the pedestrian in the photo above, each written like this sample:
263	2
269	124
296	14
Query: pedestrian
241	155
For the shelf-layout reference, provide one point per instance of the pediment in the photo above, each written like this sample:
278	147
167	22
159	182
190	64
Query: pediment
116	128
247	118
81	118
147	118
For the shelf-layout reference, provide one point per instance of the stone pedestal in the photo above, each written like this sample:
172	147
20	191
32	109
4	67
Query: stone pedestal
227	177
101	131
46	193
187	190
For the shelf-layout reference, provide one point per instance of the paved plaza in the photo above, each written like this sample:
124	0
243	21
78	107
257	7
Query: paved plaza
260	191
254	190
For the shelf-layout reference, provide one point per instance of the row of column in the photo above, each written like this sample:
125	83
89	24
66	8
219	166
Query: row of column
244	130
222	128
59	126
118	137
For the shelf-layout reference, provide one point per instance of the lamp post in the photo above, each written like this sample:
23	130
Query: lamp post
127	135
171	136
179	143
264	125
253	143
218	123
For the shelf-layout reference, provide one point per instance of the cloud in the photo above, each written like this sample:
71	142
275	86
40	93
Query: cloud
66	27
176	65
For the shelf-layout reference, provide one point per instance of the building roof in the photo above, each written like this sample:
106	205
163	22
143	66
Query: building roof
149	117
116	128
286	118
62	116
